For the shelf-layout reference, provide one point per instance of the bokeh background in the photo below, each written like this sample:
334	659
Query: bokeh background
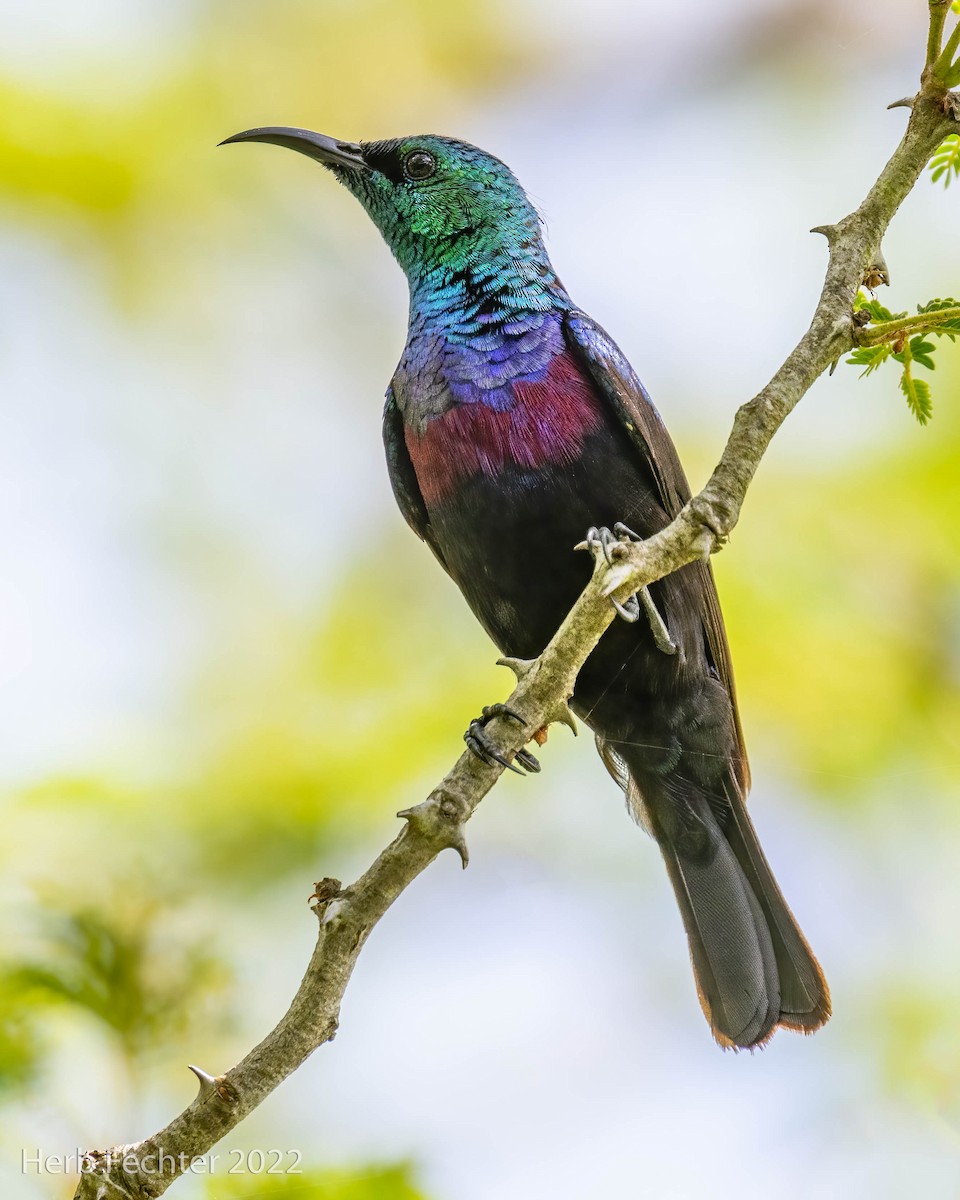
210	698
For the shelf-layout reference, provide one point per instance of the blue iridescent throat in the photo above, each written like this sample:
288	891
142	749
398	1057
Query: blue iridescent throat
480	336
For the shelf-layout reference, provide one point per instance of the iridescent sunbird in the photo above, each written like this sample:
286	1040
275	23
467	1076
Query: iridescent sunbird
513	425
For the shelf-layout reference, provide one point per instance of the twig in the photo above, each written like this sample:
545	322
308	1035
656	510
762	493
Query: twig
938	16
888	331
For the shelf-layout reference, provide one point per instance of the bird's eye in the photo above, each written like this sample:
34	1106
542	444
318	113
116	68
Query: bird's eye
419	164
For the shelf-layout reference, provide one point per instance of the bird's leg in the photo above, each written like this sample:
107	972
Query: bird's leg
658	627
599	541
479	743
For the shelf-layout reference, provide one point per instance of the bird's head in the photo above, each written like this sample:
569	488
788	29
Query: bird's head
444	207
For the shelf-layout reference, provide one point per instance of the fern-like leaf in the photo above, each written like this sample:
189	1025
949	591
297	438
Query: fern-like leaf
949	329
866	355
869	357
875	309
917	393
921	352
945	163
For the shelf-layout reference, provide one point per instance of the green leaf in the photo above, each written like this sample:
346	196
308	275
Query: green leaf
875	309
945	161
921	351
948	329
918	395
936	305
869	357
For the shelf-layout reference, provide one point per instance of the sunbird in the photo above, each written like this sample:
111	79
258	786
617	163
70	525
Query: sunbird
513	427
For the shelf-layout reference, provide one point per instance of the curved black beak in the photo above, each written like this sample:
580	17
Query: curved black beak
326	150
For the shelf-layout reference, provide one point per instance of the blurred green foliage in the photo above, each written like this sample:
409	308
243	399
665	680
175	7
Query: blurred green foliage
122	965
132	177
21	1051
370	1183
844	616
338	724
917	1030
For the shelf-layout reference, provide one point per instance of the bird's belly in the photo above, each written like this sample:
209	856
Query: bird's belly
508	538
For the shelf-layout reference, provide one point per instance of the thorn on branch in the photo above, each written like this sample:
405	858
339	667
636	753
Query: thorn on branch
828	231
904	102
460	845
562	715
208	1083
214	1085
441	814
521	667
559	715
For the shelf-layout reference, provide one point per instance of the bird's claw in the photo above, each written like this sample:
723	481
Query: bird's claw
600	540
479	743
629	610
623	533
528	761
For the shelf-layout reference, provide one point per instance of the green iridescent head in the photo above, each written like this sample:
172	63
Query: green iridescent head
445	208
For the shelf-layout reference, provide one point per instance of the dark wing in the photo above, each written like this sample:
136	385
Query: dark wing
607	368
406	490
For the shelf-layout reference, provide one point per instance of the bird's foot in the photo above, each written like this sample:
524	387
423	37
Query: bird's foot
606	542
479	743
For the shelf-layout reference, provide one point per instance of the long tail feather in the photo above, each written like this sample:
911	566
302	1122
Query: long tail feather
753	968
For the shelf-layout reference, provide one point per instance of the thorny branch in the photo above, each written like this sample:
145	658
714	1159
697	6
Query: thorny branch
347	915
